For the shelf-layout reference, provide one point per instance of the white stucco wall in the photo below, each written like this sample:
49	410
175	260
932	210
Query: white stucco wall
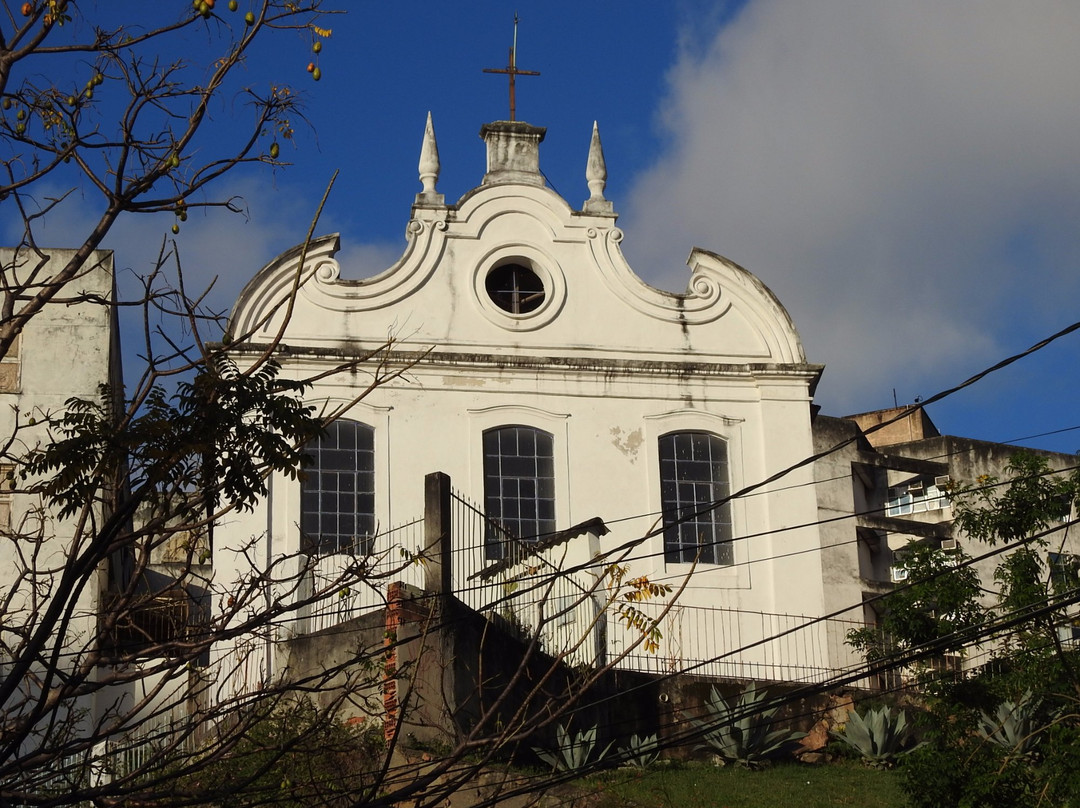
67	350
607	365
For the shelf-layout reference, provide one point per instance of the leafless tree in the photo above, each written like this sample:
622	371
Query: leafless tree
93	105
128	673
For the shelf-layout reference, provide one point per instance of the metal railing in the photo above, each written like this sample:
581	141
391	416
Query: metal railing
138	756
525	588
343	586
733	643
468	530
526	591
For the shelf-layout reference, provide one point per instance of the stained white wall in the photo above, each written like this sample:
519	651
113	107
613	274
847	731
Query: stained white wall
607	365
67	350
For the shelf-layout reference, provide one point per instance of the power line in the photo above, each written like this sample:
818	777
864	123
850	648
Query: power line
1044	434
707	508
748	490
762	534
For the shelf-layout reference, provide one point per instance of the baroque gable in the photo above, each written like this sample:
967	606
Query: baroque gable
587	300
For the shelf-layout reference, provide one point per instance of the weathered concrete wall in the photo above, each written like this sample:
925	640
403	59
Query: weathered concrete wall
841	493
344	663
915	426
450	672
683	700
458	673
67	350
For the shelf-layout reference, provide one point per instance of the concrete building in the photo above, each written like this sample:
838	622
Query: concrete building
69	349
885	489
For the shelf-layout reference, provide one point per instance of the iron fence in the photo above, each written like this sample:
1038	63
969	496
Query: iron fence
525	589
343	586
740	644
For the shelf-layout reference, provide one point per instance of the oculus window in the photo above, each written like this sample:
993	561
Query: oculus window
694	474
515	288
337	494
519	487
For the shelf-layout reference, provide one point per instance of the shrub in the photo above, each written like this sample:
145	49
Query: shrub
742	733
296	756
573	752
641	752
1014	725
879	737
1014	757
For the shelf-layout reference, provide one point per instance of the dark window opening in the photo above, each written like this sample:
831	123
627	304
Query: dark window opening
693	478
515	288
337	495
519	487
162	624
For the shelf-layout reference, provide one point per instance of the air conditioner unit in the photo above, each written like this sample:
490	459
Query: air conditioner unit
916	487
942	481
899	574
949	545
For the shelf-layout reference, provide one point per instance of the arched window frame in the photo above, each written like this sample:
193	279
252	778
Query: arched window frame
695	472
337	492
732	428
519	486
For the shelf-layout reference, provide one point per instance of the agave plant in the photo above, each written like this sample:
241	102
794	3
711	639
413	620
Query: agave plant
1014	725
742	733
641	752
878	736
574	753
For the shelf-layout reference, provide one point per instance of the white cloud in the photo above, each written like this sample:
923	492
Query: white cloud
365	260
905	176
218	251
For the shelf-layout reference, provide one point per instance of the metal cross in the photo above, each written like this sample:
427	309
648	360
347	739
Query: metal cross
512	71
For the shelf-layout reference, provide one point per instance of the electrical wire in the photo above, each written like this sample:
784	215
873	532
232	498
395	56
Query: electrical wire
746	491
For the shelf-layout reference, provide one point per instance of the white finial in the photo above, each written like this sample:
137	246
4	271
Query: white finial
429	167
596	176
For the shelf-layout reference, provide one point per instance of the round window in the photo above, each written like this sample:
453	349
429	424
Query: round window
515	288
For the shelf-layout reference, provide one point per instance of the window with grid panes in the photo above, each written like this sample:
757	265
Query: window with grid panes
519	486
694	474
7	483
337	495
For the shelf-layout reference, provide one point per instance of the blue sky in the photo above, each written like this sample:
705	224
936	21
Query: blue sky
904	176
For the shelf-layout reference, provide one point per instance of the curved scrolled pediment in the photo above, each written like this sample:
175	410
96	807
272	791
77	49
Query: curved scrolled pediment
264	303
448	287
756	301
703	301
718	290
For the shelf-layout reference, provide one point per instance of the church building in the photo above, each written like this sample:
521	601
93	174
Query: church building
512	348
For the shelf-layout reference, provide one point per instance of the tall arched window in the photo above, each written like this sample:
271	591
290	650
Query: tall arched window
519	485
693	475
337	495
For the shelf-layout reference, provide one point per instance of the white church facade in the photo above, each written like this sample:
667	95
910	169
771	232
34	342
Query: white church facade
589	431
514	349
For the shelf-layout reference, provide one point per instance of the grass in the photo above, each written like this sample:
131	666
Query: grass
704	786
